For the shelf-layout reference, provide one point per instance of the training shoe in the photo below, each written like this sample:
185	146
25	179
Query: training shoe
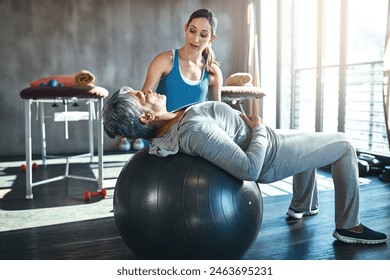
298	215
367	236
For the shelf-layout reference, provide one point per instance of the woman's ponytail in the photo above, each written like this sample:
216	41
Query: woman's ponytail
209	57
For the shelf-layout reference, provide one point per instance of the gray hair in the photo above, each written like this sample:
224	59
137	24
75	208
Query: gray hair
121	115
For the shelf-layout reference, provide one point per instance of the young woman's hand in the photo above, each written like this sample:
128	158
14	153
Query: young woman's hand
252	121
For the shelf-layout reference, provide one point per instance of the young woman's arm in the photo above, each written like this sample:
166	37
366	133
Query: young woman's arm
160	66
216	82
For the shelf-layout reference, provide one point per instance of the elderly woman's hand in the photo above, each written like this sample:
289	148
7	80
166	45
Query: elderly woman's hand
252	121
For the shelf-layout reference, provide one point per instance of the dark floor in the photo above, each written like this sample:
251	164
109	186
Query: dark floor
58	224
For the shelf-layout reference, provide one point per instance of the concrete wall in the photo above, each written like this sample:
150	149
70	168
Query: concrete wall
115	39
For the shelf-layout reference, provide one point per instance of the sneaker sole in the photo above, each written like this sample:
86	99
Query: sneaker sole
299	216
352	240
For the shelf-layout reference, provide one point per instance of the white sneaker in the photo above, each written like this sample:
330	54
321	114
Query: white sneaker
298	215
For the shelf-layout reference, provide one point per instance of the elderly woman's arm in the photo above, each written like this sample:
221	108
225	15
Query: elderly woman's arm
217	147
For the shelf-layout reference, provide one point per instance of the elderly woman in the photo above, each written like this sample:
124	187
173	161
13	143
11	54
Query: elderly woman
245	147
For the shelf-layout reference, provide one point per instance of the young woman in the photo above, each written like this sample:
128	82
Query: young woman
245	147
189	74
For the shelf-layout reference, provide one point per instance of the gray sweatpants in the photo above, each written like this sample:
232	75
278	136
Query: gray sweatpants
299	154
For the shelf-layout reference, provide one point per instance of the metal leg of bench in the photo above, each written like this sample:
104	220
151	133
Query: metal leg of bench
28	148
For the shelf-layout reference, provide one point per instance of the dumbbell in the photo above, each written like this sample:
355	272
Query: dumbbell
52	83
375	166
87	195
385	176
364	168
34	166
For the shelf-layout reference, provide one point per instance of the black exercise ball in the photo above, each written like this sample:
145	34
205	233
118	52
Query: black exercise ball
184	207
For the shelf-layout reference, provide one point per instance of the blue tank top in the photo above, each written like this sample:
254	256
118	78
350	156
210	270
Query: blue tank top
181	91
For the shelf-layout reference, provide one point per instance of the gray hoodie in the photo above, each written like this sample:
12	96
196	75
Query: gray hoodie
216	132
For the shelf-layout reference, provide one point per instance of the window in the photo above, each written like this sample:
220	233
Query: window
331	56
